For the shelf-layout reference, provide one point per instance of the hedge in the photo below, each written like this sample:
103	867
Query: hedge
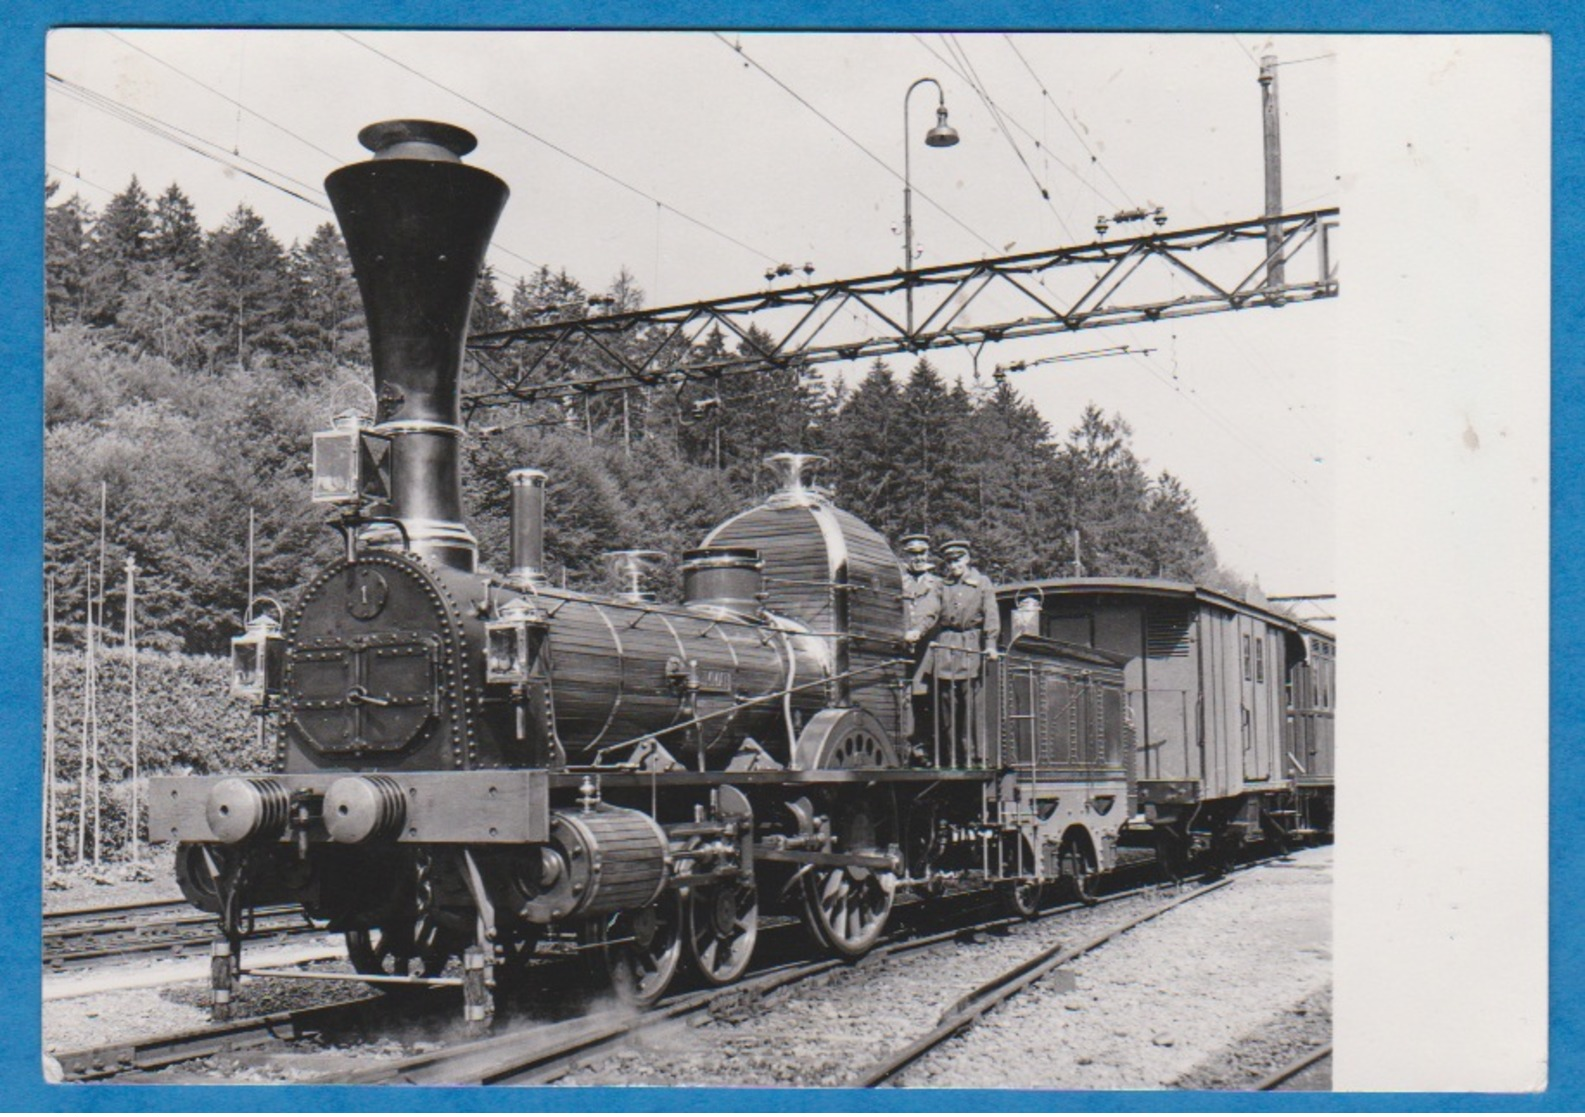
187	724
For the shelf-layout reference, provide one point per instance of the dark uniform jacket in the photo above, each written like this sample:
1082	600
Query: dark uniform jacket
968	609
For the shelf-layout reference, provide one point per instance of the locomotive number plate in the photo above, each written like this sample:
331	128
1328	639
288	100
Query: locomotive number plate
366	593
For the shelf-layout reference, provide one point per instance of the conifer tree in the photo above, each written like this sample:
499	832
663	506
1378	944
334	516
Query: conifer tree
934	489
65	237
1017	512
246	290
1107	491
176	237
866	443
327	313
1178	547
117	245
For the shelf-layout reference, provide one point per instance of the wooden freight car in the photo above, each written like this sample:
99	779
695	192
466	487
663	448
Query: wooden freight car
1230	705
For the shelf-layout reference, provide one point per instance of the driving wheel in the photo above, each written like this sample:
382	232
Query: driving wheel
846	907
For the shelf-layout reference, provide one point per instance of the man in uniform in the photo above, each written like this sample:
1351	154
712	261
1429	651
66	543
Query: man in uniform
968	628
921	588
921	609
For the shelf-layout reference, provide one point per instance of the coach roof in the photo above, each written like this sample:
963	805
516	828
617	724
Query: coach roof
1159	588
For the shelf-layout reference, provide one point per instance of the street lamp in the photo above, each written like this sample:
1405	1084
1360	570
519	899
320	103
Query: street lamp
942	135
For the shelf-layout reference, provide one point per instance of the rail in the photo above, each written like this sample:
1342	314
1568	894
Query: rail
967	1010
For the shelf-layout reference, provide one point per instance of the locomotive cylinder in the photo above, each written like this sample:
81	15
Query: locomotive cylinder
598	862
417	223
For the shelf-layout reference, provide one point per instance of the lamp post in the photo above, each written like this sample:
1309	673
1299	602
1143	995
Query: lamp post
942	135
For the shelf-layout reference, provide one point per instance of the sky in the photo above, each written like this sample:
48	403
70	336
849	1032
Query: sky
695	160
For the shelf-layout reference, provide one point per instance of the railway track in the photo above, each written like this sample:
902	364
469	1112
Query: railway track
547	1053
294	1043
74	939
968	1009
156	1053
543	1049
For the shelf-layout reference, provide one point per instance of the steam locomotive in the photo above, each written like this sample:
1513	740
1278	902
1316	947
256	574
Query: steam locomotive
469	763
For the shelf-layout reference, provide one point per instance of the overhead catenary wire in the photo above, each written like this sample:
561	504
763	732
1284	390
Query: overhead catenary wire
178	136
1231	429
790	91
241	107
74	176
559	150
1095	158
214	152
1045	148
977	84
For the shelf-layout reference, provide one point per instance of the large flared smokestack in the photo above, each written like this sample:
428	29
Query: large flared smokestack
417	222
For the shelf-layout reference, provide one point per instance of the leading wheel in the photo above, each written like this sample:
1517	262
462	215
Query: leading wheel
848	907
723	925
641	949
391	952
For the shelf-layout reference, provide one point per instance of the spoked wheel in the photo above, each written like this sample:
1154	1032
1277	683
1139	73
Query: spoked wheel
390	952
641	949
1020	898
723	926
1078	871
847	906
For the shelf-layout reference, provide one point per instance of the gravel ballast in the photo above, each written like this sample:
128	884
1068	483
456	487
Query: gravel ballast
1150	1007
1140	1013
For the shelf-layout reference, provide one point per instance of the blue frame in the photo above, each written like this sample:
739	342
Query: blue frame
21	486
